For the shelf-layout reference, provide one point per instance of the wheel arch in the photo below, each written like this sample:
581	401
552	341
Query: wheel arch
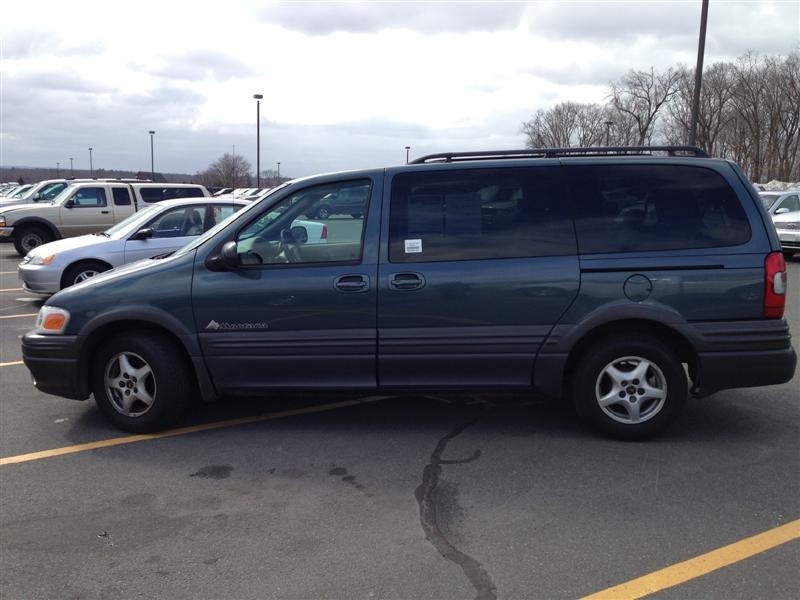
38	222
79	261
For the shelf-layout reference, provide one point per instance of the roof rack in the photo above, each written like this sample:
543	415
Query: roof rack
689	151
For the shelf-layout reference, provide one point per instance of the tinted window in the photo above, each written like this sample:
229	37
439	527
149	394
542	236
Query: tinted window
51	191
630	208
151	194
292	232
175	193
470	214
122	197
88	197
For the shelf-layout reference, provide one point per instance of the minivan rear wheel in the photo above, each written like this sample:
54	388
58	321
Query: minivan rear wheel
28	238
628	387
141	382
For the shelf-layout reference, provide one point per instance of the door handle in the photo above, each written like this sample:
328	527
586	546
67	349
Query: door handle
407	281
105	212
351	283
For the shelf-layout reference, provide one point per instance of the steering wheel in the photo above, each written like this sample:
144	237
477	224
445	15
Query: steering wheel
289	246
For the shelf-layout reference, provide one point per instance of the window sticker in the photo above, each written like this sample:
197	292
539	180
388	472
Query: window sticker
413	246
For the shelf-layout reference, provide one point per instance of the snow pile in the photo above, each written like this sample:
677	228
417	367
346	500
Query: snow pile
777	186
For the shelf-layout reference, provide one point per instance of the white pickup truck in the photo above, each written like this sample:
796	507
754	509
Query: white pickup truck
85	207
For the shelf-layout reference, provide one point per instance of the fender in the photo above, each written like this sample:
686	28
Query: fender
48	225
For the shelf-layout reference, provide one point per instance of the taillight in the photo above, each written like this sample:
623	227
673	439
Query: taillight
775	290
324	236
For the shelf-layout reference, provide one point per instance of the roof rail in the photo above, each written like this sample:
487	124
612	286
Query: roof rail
692	151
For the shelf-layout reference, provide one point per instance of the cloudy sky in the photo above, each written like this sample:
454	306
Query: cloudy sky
345	84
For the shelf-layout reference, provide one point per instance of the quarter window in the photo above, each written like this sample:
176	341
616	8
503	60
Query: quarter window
297	230
637	208
473	214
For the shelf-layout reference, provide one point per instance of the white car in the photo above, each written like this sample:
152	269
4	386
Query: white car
780	203
156	229
788	227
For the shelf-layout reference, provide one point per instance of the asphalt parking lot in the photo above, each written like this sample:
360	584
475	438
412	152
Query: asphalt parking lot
390	497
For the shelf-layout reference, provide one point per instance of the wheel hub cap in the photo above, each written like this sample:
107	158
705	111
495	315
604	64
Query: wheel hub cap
631	390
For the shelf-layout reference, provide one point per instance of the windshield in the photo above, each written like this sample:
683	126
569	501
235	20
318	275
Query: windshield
133	222
64	195
769	199
21	191
221	225
51	191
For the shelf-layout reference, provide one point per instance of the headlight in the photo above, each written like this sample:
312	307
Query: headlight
52	319
2	220
41	260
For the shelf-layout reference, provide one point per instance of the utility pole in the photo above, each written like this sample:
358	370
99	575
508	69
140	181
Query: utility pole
152	162
279	171
71	170
258	98
608	125
407	149
91	165
58	170
698	74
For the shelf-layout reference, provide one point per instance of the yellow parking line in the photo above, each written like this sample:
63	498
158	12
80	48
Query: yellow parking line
19	316
130	439
11	290
11	364
701	565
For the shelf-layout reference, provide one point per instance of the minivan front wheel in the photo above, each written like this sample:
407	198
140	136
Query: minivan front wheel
141	382
629	388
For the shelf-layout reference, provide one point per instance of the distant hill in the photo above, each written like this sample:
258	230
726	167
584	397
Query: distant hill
34	174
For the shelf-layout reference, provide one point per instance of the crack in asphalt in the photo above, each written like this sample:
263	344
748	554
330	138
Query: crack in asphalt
477	575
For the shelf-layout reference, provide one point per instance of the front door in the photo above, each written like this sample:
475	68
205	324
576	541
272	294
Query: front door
88	212
479	266
300	311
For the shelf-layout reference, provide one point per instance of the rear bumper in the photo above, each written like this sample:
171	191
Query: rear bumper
55	365
727	370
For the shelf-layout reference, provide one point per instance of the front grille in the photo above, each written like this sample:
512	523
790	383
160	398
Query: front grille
787	225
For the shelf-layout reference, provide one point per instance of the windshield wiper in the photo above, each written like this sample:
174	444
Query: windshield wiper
103	233
160	256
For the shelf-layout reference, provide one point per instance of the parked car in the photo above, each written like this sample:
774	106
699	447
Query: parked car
17	192
154	230
350	201
84	207
787	226
553	294
778	203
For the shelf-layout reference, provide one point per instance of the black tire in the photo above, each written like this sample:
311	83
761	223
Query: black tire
590	380
169	383
788	254
30	237
74	272
323	212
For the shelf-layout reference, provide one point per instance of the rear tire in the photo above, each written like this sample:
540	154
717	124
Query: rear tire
28	238
141	382
628	388
323	212
82	271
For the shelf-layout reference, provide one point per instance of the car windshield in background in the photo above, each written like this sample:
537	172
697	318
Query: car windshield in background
133	221
51	191
769	199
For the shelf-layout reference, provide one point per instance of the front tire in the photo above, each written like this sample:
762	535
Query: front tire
82	271
141	382
323	212
28	238
628	388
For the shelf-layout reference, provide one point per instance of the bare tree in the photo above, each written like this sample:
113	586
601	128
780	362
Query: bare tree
641	96
228	171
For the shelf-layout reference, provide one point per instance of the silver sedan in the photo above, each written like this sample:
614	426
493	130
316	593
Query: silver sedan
157	229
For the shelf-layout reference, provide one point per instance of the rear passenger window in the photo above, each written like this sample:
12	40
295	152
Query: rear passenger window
631	208
152	194
122	197
472	214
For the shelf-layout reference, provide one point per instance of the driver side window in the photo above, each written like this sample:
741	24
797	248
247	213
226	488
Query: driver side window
309	226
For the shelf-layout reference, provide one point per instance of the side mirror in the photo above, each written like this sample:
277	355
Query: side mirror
142	234
300	234
782	211
69	203
230	255
37	196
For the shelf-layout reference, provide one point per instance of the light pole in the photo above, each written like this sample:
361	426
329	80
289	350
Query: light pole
279	171
152	162
698	73
71	170
407	149
58	170
608	125
91	165
258	98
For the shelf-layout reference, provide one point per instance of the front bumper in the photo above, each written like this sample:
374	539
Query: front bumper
6	232
55	364
790	239
39	279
